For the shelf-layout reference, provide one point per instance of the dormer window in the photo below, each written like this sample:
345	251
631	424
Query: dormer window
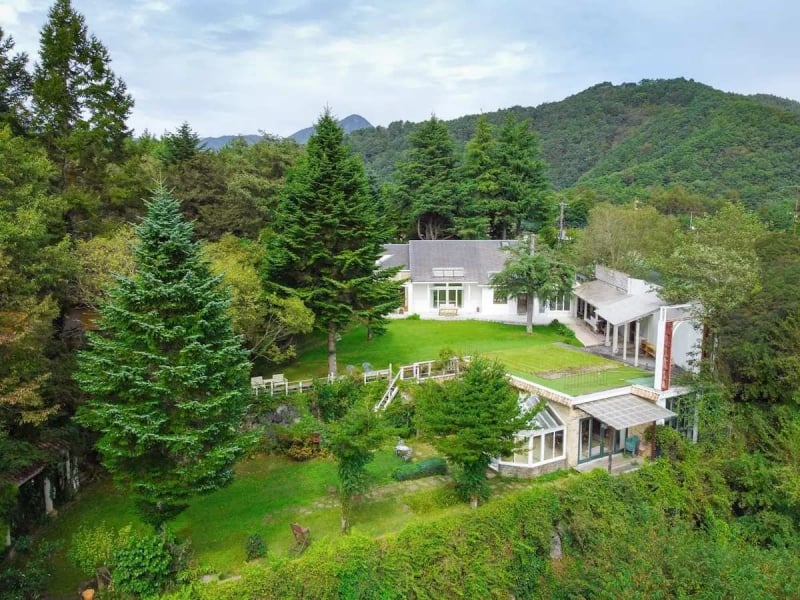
448	271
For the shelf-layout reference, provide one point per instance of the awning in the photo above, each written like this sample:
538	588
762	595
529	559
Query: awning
631	308
598	293
625	411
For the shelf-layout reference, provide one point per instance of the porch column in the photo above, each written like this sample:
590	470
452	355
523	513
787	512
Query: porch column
638	343
611	434
625	333
585	310
48	499
615	341
608	335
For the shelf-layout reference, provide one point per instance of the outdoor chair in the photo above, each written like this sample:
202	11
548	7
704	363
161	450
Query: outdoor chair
256	383
632	445
302	538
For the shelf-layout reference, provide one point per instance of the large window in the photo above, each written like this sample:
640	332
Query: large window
448	294
538	446
563	303
684	407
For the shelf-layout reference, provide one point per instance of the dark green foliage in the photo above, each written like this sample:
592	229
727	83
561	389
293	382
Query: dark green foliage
256	547
330	401
328	237
624	140
760	342
524	187
181	145
401	416
471	420
352	441
423	202
538	274
80	106
27	579
167	378
147	564
15	87
424	468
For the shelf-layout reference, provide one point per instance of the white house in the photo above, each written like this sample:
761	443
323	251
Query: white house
636	322
451	277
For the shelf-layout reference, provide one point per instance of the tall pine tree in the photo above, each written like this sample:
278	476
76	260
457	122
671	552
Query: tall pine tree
524	186
480	188
166	377
15	86
80	106
426	193
329	237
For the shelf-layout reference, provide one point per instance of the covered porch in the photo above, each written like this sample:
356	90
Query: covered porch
612	425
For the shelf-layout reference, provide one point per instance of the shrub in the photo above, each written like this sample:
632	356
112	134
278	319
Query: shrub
413	317
94	548
147	564
256	547
424	468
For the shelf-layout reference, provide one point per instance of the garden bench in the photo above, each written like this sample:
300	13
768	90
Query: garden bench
302	538
648	349
448	311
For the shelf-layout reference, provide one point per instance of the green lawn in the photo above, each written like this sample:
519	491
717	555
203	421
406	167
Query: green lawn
267	495
536	357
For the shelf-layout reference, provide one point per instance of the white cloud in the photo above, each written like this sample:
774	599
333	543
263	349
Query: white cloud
242	65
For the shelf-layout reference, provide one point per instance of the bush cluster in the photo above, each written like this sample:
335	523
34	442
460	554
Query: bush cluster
424	468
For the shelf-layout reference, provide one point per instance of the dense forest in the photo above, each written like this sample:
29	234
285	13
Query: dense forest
621	141
142	278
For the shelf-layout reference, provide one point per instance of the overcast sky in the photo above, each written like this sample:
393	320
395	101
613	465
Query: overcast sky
240	66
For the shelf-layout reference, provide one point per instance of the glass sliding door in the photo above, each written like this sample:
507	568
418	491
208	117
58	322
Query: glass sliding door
448	295
594	442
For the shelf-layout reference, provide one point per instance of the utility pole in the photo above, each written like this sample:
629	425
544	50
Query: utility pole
796	203
562	234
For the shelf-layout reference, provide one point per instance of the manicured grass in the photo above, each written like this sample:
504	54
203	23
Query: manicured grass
538	357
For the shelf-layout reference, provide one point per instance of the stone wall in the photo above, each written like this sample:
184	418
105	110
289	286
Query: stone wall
527	472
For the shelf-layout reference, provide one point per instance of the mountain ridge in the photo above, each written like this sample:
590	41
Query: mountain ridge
624	140
350	124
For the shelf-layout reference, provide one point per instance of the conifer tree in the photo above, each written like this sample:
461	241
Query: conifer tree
328	237
80	106
166	377
181	145
426	193
15	86
479	175
524	186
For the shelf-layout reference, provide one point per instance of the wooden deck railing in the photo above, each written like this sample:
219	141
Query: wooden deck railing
419	371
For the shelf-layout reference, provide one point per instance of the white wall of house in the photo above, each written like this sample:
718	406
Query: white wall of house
685	344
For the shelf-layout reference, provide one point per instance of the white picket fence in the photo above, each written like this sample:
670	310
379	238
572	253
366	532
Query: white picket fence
416	372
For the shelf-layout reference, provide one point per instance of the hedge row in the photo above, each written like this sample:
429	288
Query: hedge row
424	468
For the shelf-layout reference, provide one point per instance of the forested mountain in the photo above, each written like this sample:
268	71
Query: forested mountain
215	143
623	139
349	124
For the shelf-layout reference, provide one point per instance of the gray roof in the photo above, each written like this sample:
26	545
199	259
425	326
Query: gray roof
624	411
394	255
599	293
478	259
617	307
631	308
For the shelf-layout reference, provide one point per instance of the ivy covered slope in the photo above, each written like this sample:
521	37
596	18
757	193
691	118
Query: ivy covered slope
623	139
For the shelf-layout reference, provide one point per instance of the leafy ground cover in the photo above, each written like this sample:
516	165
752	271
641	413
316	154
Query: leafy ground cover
542	357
